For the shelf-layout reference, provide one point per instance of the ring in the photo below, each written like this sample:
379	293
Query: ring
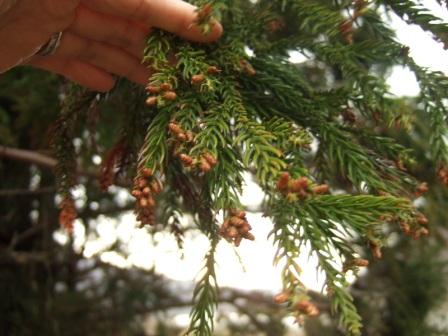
51	46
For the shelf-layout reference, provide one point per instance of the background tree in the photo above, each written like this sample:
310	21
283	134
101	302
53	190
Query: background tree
338	157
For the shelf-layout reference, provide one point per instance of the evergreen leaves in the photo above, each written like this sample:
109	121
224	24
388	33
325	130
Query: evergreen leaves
205	298
324	223
216	112
414	13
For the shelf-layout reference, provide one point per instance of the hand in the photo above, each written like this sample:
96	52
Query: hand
101	37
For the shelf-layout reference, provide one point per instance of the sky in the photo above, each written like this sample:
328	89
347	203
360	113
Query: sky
425	51
250	267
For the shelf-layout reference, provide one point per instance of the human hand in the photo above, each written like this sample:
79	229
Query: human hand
101	38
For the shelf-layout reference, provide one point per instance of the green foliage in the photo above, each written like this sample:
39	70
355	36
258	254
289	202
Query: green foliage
324	223
216	112
415	13
239	112
205	298
242	101
76	104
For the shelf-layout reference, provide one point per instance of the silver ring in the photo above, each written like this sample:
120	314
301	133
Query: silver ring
51	46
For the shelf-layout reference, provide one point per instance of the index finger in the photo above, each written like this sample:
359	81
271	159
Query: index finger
175	16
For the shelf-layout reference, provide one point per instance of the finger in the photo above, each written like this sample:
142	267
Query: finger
103	56
82	73
175	16
109	29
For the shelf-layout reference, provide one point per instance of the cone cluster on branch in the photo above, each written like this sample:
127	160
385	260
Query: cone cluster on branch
109	165
179	134
236	228
213	70
307	308
422	188
184	140
197	79
349	116
356	262
203	80
422	230
443	175
146	187
375	249
301	188
302	307
158	93
248	68
415	227
346	27
275	25
68	214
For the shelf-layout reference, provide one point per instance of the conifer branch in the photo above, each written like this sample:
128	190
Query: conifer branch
205	298
215	112
326	223
314	18
414	13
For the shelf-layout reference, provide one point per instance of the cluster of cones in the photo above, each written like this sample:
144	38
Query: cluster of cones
303	307
204	163
422	188
418	230
356	262
200	78
248	68
349	116
443	175
146	187
346	27
111	164
375	248
236	228
294	189
275	25
179	134
68	214
165	91
158	93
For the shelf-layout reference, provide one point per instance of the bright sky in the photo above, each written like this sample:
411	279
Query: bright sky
424	50
256	270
